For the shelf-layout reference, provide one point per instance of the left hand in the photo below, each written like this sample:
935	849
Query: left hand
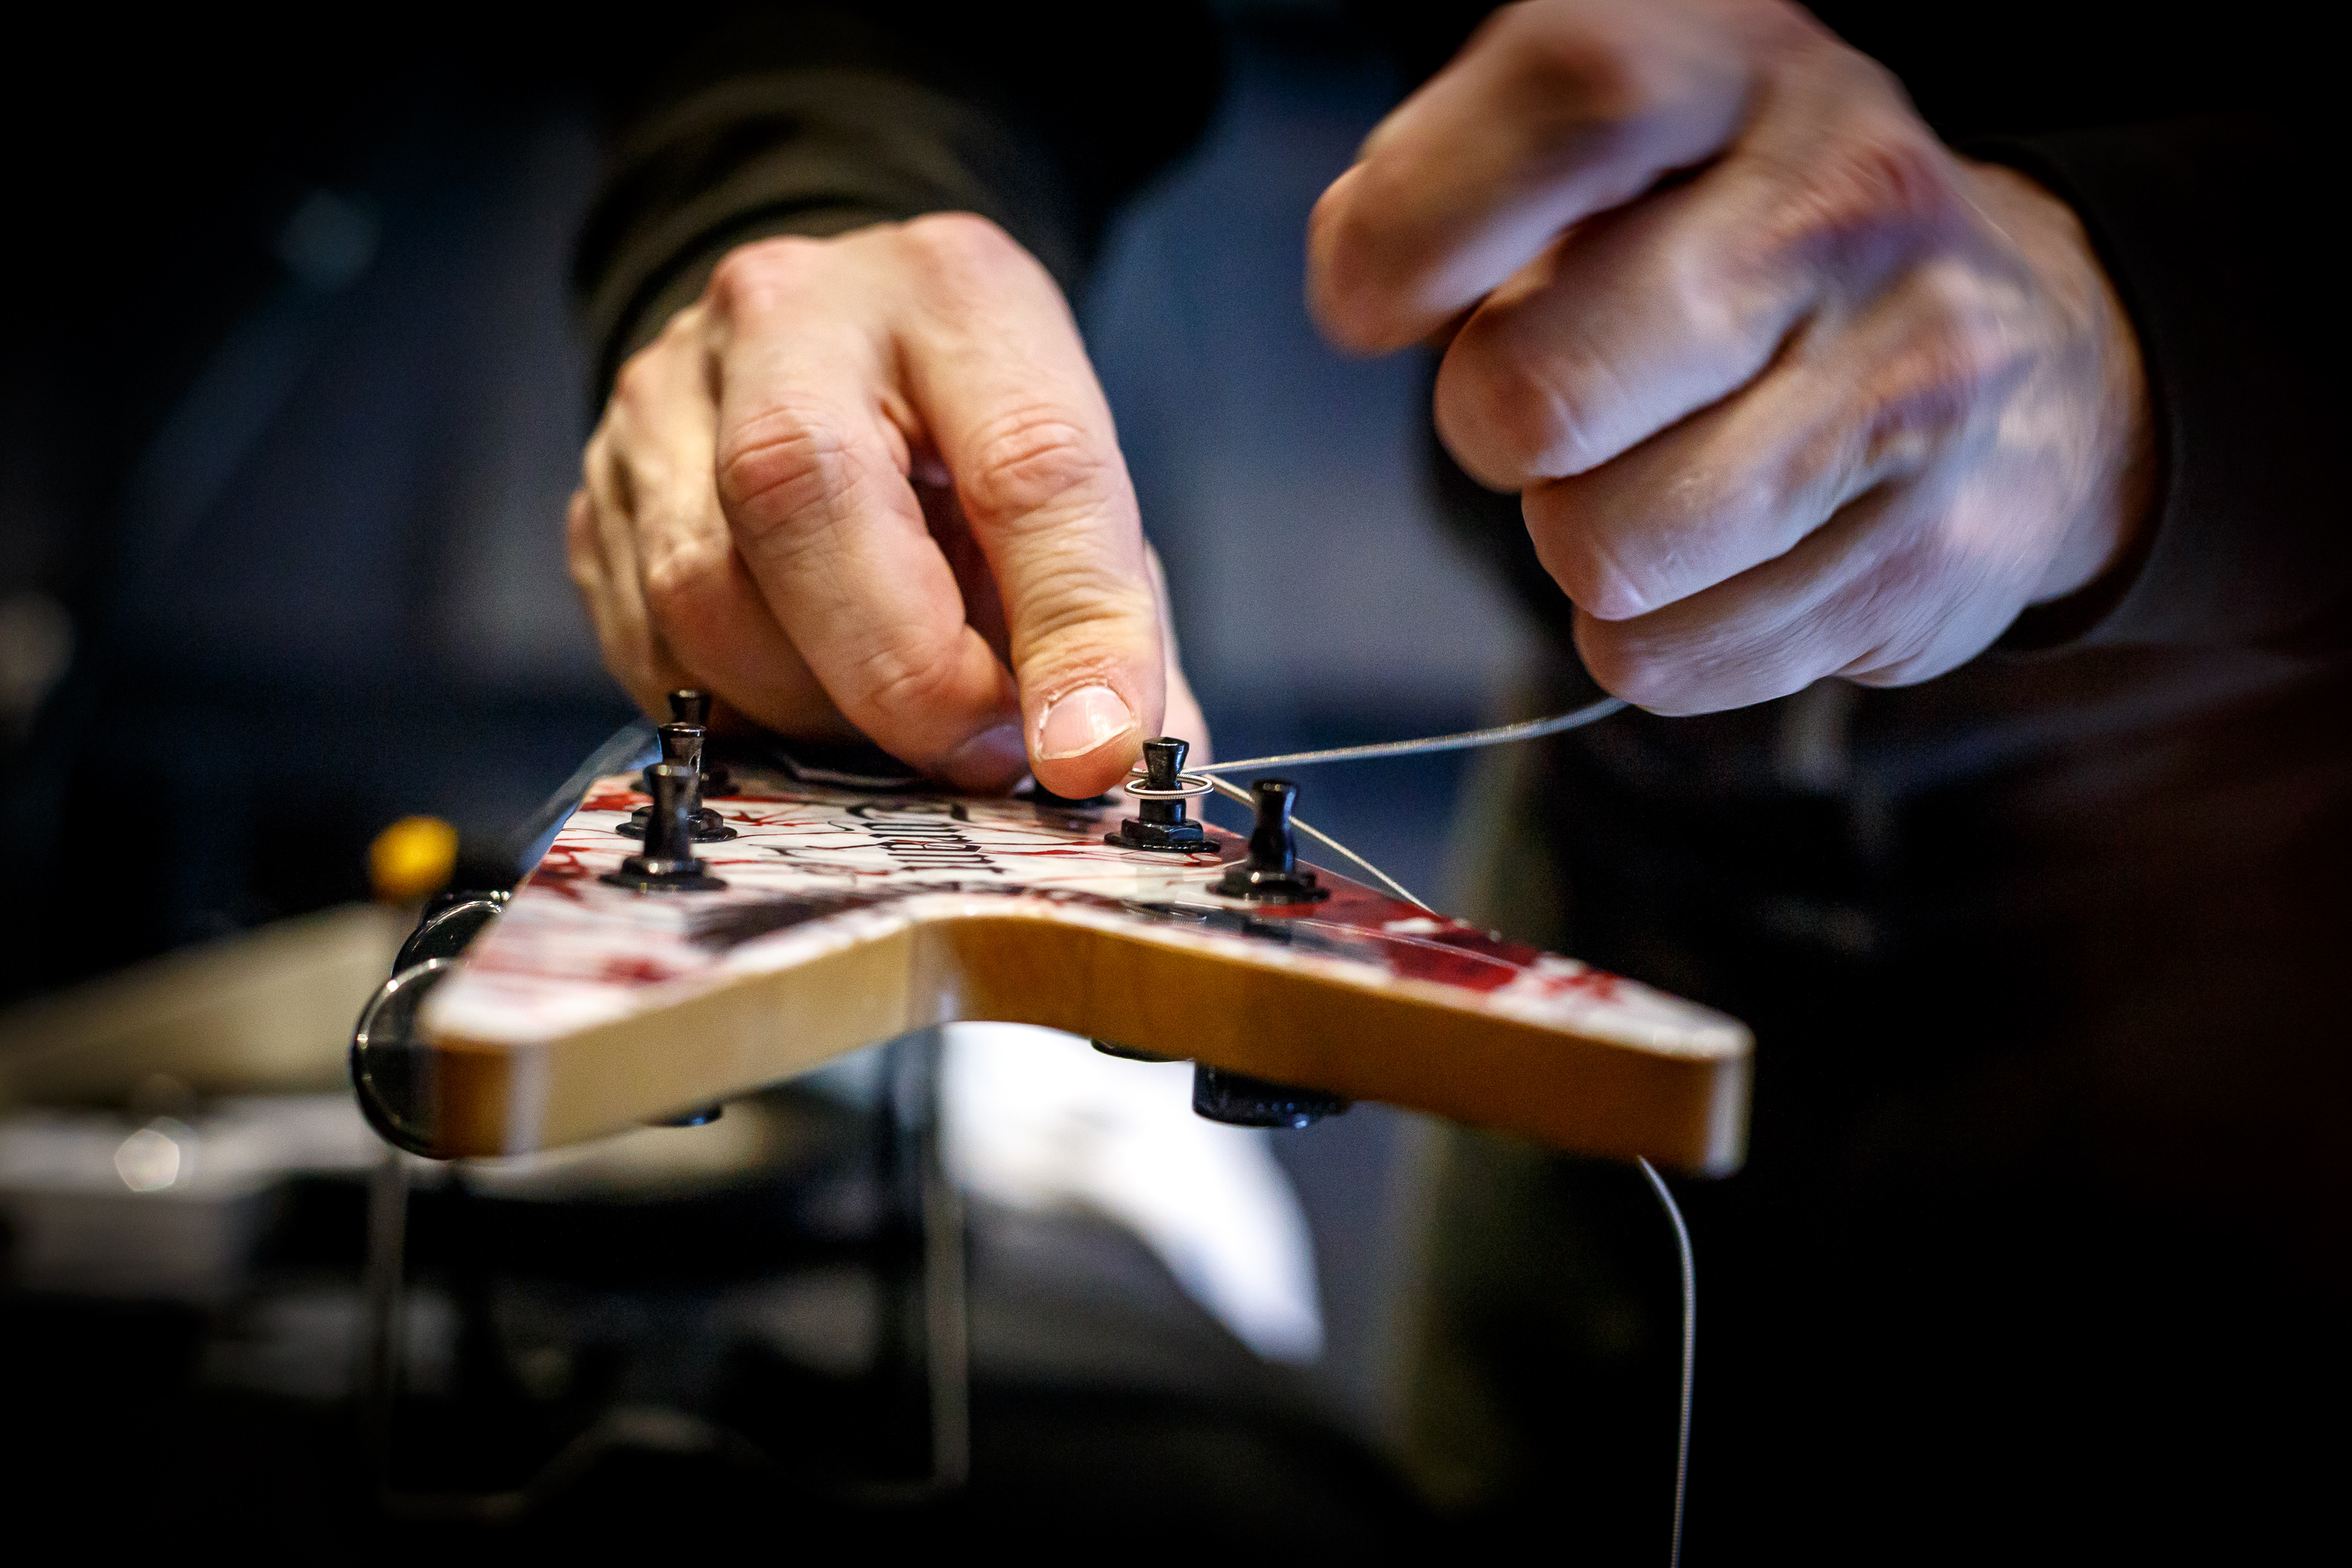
1790	389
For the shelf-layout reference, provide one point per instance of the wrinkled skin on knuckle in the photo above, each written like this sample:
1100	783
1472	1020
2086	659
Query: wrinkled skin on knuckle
783	464
903	676
1036	466
1086	623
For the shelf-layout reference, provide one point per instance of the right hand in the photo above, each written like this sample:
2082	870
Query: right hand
869	484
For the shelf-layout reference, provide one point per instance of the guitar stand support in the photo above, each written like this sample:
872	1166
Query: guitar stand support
912	1172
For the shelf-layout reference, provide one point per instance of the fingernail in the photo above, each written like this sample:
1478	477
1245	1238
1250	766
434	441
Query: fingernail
1076	724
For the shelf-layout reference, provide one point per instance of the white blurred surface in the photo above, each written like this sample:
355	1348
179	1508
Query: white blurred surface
1039	1120
100	1204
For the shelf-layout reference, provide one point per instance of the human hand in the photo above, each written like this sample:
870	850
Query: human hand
869	484
1790	389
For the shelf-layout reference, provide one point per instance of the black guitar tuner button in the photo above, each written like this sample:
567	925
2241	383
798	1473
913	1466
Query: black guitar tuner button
688	706
1160	823
667	865
1272	874
682	746
449	925
1241	1101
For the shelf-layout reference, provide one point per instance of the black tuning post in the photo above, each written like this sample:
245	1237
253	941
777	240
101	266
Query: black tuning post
450	923
1272	874
1159	822
1241	1101
667	865
688	706
682	747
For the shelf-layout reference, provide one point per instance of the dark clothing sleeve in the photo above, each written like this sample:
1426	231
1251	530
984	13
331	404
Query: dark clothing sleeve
817	119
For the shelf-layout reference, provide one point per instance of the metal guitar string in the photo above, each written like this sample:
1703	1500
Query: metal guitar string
1234	792
1532	730
1499	734
1690	1344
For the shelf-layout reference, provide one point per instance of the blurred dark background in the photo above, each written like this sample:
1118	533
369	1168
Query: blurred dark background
294	396
290	400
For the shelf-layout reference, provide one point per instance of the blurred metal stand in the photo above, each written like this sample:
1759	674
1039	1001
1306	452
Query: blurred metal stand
921	1222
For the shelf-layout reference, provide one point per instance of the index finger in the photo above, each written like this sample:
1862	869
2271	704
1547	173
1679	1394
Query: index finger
812	475
999	380
1551	113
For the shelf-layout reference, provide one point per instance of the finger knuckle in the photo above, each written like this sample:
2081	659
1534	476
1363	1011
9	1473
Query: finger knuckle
1874	189
786	462
1582	563
905	676
1037	462
638	382
1531	396
1704	287
1581	55
961	254
679	580
1626	665
1954	364
756	280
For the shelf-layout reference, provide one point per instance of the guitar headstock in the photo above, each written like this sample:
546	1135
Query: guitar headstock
843	916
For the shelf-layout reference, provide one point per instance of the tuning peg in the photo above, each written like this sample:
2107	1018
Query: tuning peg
688	706
1241	1101
1159	822
668	863
450	923
682	746
1272	874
